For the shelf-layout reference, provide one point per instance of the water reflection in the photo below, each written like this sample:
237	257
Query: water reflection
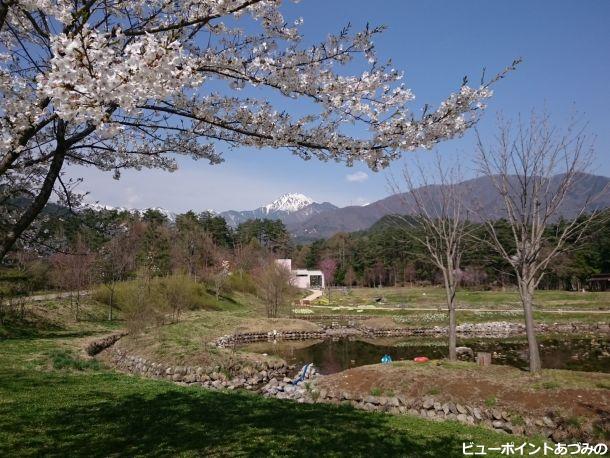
335	355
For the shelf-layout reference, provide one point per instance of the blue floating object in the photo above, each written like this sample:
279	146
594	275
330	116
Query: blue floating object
386	359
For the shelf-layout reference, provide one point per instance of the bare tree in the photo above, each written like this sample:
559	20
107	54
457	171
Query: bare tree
275	284
328	266
114	261
438	221
533	166
72	272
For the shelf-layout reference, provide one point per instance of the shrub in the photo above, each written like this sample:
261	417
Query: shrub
63	359
242	282
153	301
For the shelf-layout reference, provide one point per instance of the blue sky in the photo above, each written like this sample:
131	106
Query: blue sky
566	50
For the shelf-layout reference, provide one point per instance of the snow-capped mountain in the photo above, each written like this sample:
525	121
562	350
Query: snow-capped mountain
290	208
290	203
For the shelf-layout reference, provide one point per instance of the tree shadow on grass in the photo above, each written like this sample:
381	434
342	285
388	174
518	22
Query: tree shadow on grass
204	423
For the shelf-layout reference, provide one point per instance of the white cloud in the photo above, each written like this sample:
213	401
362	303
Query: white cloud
357	177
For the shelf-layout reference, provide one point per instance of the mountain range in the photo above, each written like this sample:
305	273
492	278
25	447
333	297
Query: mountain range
308	220
479	193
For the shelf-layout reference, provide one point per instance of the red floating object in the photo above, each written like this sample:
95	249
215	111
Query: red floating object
421	359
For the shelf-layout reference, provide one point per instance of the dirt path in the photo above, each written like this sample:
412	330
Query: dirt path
51	296
315	294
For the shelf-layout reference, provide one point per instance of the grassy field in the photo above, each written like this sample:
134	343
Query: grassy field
439	318
435	296
54	403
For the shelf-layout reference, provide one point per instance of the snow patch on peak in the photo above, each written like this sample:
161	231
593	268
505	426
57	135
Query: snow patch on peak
290	202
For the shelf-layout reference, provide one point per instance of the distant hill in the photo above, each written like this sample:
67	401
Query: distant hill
481	195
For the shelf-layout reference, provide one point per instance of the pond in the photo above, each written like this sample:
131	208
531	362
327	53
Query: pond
590	354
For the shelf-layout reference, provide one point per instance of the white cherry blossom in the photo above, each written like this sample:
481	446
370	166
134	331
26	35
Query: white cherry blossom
117	84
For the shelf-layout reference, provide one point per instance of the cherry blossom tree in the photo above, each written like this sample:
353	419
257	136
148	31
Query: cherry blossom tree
118	84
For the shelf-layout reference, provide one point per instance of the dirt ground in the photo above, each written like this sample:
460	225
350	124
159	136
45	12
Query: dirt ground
569	393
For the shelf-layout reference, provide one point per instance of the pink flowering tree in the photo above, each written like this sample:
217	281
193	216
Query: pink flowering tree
119	84
328	266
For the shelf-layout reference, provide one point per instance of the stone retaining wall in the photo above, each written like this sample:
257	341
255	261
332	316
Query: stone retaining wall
248	377
553	427
495	329
243	338
95	347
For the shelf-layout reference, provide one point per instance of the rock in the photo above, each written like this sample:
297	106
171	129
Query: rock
383	400
287	380
445	408
505	416
428	403
423	413
323	393
461	409
372	400
403	400
393	402
498	424
476	412
453	408
461	418
346	396
519	430
508	428
496	414
437	406
177	377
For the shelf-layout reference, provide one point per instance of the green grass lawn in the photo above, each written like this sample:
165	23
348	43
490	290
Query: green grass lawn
48	407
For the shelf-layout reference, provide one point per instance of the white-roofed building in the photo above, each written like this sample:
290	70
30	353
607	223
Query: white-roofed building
303	278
